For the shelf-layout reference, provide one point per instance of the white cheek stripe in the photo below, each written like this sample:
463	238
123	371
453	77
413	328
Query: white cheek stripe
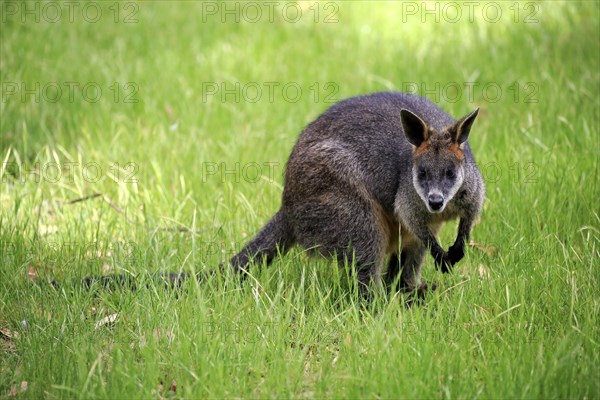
419	189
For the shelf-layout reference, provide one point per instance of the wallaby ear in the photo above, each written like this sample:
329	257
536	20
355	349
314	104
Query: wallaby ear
463	127
414	128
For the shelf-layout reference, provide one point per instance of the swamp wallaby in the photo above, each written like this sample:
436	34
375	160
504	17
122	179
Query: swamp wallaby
369	171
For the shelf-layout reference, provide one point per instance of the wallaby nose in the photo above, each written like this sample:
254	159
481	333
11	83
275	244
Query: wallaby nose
435	201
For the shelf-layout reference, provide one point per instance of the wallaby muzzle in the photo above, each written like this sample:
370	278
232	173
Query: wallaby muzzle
435	201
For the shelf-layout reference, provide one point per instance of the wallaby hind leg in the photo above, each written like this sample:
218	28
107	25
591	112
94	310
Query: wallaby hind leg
393	269
348	226
411	258
408	266
274	237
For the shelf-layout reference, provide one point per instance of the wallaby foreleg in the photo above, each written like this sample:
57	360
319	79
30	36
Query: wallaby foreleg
457	250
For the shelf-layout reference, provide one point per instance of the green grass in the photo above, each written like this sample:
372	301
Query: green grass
517	321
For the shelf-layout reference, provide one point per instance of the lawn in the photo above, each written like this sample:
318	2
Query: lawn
145	137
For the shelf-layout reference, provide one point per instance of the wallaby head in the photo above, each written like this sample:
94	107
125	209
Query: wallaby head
439	166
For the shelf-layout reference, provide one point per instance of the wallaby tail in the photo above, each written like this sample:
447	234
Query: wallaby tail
172	280
274	237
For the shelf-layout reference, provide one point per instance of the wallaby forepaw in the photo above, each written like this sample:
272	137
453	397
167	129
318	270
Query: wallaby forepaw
456	253
443	263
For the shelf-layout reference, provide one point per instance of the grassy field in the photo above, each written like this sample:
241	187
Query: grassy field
139	137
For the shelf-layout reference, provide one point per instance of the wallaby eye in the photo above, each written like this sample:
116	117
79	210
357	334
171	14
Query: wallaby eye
449	174
422	174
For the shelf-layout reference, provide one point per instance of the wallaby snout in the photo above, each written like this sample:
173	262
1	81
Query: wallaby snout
435	201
